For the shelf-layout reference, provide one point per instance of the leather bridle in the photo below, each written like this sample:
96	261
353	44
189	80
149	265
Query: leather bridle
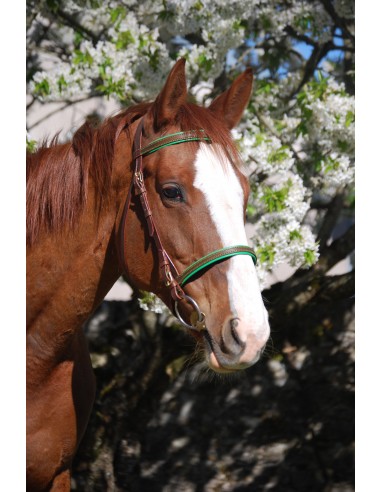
168	272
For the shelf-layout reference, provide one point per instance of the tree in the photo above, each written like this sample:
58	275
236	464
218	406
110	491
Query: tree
296	139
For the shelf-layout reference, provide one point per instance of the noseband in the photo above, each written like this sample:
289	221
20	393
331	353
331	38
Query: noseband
168	272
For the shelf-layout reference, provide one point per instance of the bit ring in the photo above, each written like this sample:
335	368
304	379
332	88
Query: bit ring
200	314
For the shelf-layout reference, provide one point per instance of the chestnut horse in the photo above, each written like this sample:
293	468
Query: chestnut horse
153	191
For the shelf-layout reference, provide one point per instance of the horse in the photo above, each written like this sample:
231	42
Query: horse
156	193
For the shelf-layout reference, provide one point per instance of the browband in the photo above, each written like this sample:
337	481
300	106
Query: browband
171	139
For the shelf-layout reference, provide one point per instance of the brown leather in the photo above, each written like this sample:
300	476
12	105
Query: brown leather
186	136
168	271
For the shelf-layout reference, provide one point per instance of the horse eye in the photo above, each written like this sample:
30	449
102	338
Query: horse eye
173	193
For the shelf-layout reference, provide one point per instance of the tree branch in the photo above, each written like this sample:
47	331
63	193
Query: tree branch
338	250
72	22
290	297
318	53
66	104
277	134
300	37
333	212
339	21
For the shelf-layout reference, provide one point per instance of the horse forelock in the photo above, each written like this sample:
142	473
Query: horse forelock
58	174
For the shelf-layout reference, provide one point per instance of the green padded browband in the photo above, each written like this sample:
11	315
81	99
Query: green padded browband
211	258
172	139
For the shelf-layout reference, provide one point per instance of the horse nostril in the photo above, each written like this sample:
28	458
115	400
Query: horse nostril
231	342
233	328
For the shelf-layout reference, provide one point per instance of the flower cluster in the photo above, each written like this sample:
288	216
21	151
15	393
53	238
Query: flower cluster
114	66
296	141
150	302
330	131
305	148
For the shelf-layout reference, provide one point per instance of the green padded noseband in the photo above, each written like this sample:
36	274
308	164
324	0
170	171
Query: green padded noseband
214	257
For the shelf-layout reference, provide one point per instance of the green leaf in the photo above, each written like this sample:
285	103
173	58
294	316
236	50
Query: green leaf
53	5
318	88
279	125
239	24
317	158
166	15
143	42
301	129
31	145
303	22
102	67
301	97
319	75
278	357
279	155
198	5
111	87
263	87
349	118
117	13
331	165
250	210
154	59
124	39
82	58
61	82
274	199
259	138
343	146
309	257
266	22
295	235
78	38
42	88
204	62
95	4
266	254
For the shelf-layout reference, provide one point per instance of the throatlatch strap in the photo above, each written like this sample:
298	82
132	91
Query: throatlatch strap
211	258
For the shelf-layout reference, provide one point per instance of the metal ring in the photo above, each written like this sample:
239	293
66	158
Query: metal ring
201	315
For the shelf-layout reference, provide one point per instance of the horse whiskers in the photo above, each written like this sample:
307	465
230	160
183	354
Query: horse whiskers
200	372
192	360
195	365
270	350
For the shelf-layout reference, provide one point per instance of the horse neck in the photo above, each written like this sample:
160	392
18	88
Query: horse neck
70	272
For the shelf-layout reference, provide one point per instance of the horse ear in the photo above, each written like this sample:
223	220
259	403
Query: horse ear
231	104
172	96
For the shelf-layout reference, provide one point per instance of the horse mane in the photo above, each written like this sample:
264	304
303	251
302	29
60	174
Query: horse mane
58	174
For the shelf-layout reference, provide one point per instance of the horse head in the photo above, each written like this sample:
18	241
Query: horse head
194	198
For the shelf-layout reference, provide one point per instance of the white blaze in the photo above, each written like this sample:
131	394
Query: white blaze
224	197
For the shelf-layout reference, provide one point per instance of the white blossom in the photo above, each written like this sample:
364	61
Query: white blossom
150	302
293	146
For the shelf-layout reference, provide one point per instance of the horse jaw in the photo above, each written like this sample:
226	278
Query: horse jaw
224	196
